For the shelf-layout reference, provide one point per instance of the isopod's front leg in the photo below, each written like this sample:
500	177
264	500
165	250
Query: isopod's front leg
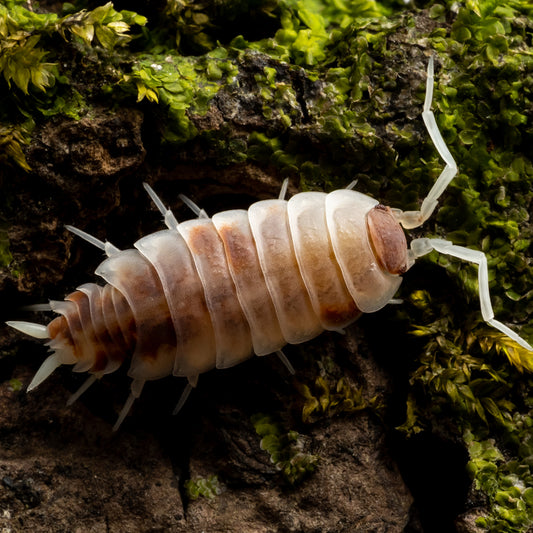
420	247
414	219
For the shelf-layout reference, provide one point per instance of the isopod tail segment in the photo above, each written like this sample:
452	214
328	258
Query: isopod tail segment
211	292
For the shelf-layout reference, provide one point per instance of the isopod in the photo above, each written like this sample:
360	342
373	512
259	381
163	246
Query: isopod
211	292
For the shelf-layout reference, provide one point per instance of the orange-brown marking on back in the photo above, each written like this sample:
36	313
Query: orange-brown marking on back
72	331
340	315
387	239
202	239
58	327
238	255
100	360
60	334
75	322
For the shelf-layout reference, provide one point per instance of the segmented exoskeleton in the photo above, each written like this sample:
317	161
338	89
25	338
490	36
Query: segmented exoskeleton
211	292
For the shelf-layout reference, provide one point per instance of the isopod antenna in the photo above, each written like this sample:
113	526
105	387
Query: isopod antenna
414	219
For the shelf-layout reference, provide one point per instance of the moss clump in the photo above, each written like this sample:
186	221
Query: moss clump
36	51
506	481
5	255
285	448
328	398
12	138
15	385
207	487
183	85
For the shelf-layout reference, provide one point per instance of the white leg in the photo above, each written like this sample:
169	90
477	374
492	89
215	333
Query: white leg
395	301
421	247
283	190
196	209
136	389
193	381
108	248
169	218
285	361
86	384
183	398
413	219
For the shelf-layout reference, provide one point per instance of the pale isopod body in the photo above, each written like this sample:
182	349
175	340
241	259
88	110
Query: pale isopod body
211	292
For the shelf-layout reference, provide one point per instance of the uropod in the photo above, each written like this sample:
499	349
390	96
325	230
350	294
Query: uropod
211	292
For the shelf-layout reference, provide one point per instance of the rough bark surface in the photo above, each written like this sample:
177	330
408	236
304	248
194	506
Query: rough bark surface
62	469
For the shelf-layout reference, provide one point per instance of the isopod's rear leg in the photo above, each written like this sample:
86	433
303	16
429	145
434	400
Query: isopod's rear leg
136	389
52	362
420	247
283	358
193	381
86	384
413	219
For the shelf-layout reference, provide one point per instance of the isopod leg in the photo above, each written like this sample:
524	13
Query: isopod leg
197	210
86	384
414	219
108	248
170	219
283	190
395	301
136	389
420	247
285	361
183	398
193	381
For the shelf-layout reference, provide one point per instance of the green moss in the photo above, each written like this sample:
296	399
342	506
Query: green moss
12	138
207	487
22	30
285	448
15	384
5	255
506	481
183	85
328	398
461	375
33	46
354	57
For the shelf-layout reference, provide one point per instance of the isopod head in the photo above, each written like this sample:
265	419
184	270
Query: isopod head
387	239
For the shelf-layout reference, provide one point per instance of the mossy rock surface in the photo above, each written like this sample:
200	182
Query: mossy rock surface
420	417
